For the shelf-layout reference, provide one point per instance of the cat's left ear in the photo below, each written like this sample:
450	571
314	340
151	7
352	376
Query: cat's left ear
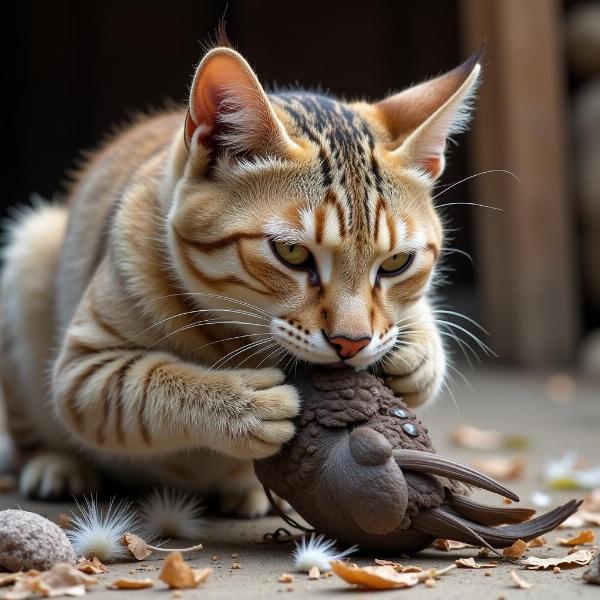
421	118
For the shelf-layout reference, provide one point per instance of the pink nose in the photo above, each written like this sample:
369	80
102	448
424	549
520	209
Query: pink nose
346	347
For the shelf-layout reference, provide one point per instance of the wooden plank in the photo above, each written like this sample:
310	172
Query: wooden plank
525	255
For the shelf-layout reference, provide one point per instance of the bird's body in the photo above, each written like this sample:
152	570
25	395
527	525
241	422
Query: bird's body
362	469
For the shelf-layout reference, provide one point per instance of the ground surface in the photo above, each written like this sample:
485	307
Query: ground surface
508	402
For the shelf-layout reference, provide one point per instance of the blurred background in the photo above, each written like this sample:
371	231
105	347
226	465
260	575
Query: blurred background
77	68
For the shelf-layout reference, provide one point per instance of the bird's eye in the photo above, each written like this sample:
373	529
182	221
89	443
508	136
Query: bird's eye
396	264
293	255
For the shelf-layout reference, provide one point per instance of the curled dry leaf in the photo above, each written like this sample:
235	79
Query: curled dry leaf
537	542
398	567
314	573
591	518
382	577
516	550
91	567
142	550
519	582
129	583
474	438
286	578
176	573
447	545
577	559
469	563
587	536
501	467
61	580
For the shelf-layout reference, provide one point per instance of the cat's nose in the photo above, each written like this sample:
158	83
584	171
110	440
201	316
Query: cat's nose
347	347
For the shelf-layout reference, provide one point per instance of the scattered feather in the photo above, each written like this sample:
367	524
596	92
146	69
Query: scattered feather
172	513
94	531
317	552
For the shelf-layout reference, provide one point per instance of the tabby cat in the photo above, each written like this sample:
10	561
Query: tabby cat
147	322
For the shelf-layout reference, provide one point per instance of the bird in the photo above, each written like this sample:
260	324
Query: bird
362	469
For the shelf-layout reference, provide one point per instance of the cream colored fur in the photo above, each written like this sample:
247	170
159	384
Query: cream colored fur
143	322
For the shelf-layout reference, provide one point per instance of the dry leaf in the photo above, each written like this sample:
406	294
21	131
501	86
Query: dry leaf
519	582
314	573
537	542
516	550
61	580
577	559
500	467
127	583
383	577
429	583
142	550
286	578
469	563
397	566
176	573
447	545
587	536
136	545
91	567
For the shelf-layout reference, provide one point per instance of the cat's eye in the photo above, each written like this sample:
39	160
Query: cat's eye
396	264
294	255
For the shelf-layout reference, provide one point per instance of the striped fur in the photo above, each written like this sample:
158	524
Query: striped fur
162	308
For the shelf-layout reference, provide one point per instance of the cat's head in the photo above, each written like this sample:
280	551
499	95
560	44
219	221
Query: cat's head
316	212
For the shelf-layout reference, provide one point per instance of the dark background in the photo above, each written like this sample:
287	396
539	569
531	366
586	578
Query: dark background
82	67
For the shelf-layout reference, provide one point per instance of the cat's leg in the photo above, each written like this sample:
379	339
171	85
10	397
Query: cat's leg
134	401
415	370
47	465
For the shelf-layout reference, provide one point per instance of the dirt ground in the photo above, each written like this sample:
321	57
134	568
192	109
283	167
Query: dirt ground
505	401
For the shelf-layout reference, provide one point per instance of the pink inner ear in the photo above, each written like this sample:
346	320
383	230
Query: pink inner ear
433	165
219	75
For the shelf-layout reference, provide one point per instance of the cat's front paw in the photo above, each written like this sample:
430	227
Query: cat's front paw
259	420
416	373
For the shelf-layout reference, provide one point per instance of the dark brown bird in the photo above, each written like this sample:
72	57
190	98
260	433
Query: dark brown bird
362	470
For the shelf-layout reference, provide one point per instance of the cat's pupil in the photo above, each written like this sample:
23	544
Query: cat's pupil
291	248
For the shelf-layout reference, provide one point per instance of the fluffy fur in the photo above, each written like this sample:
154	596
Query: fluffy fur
163	310
317	552
94	531
172	513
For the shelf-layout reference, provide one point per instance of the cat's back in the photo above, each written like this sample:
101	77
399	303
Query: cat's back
94	196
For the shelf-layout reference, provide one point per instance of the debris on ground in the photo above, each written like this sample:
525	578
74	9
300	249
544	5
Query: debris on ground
577	559
177	574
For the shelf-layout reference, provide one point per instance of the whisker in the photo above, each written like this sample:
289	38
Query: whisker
457	314
235	352
449	187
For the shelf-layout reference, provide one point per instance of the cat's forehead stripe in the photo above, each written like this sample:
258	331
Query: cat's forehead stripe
345	149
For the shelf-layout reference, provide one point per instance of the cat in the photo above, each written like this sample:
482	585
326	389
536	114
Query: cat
147	321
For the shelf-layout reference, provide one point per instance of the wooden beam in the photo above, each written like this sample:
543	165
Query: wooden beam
524	255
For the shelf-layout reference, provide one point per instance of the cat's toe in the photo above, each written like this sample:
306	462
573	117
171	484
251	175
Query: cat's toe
52	476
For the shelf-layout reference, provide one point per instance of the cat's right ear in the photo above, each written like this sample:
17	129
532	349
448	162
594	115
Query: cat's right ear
228	108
